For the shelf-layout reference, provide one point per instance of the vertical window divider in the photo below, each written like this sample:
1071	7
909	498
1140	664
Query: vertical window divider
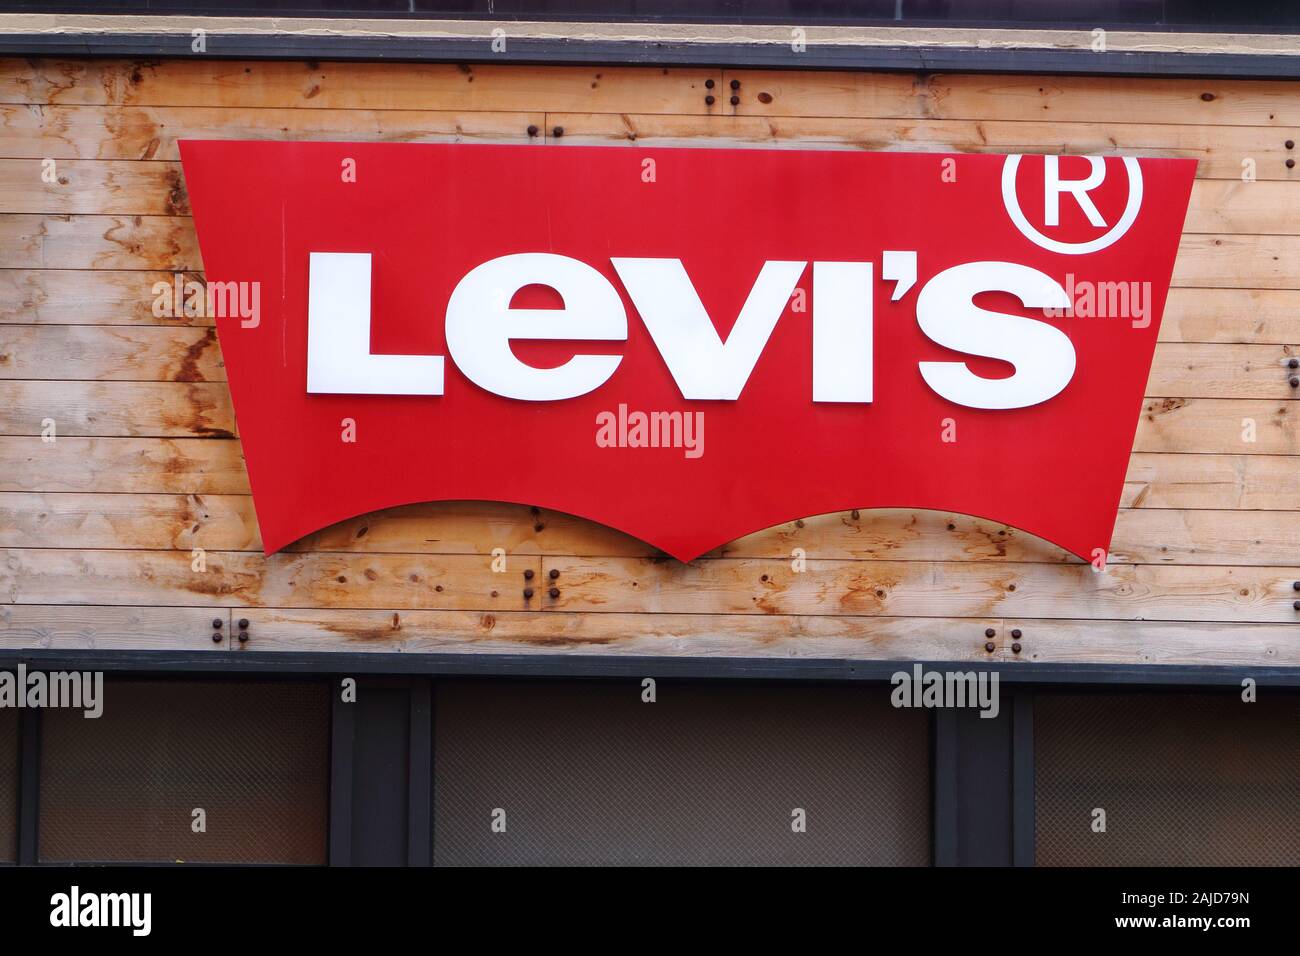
29	792
420	801
1022	778
342	726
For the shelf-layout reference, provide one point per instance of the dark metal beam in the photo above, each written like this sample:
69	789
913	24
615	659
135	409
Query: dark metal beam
642	52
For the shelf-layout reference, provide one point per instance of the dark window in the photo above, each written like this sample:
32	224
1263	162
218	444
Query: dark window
1185	779
586	773
8	785
252	755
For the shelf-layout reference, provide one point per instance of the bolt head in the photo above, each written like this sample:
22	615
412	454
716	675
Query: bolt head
1290	164
532	130
1295	585
735	84
1015	648
555	592
558	131
216	637
989	647
1015	633
217	622
243	637
528	574
243	623
735	101
708	101
989	632
1296	605
708	84
1293	363
1295	382
528	593
1290	144
555	573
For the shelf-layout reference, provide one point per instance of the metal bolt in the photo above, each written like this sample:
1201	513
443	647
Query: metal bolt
1207	97
1295	382
735	101
528	593
558	131
989	632
1293	363
708	101
555	573
989	647
1015	648
532	130
216	637
708	84
735	84
217	622
243	637
528	574
555	592
243	623
1290	144
1015	632
1296	605
1295	585
1290	164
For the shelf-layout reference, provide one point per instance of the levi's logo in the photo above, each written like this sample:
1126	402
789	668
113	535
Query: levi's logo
534	324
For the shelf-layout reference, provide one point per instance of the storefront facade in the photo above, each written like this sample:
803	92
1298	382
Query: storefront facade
477	682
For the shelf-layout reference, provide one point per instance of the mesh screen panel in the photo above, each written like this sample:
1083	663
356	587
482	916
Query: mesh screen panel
588	774
8	785
253	755
1185	779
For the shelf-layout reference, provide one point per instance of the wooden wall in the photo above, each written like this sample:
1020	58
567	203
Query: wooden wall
97	528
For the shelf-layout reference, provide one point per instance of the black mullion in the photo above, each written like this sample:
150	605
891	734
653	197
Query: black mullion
341	765
29	793
1022	779
419	803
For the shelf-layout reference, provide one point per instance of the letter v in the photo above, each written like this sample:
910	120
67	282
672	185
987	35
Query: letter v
702	365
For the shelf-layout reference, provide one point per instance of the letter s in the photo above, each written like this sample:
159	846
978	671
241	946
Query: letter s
1042	354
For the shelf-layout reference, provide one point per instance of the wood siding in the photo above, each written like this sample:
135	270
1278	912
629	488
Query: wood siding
98	529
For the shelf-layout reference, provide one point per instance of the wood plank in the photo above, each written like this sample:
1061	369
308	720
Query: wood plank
199	466
206	467
769	636
29	241
98	242
1262	482
1218	426
343	85
228	523
93	186
81	297
388	631
1058	99
1221	371
238	579
1232	316
199	409
1237	262
102	353
641	585
152	132
57	628
161	409
192	355
1218	150
921	589
154	188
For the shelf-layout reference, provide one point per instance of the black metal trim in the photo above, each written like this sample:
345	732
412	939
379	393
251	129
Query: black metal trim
342	725
566	51
1023	832
703	668
419	820
945	788
29	787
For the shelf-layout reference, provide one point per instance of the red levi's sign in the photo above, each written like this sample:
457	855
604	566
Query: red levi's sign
685	344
